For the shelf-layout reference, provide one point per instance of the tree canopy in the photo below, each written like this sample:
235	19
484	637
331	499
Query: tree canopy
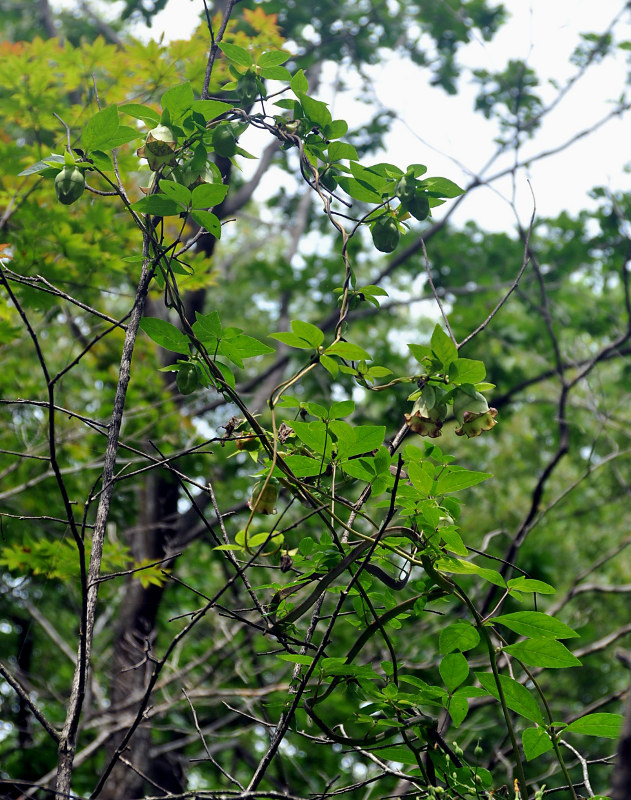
306	491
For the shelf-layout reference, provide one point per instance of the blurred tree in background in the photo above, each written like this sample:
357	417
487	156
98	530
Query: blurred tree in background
351	640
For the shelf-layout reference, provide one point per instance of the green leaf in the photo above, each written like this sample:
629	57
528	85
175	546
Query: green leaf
543	653
236	548
359	468
210	109
456	566
291	340
466	370
335	129
517	697
358	191
237	54
165	334
310	333
522	584
303	466
454	669
227	374
313	434
124	134
299	84
141	112
536	625
248	346
456	480
207	327
316	410
272	58
352	352
316	110
341	409
208	221
102	160
453	541
443	347
457	706
330	365
100	128
209	195
359	440
420	351
255	540
372	178
399	753
176	192
276	73
443	187
535	742
157	204
341	150
607	726
373	290
294	658
421	479
177	100
378	372
459	636
40	166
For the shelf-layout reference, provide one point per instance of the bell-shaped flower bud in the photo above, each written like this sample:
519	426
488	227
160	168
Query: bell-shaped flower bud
473	424
69	185
264	496
159	147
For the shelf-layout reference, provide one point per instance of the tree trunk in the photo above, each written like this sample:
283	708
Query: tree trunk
136	634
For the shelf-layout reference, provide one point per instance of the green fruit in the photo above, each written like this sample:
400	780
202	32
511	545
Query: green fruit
247	89
406	188
418	205
385	234
69	185
264	496
224	141
187	380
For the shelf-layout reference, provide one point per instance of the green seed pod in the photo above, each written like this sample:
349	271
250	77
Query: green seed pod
418	205
247	89
263	499
406	188
224	141
385	234
69	185
187	380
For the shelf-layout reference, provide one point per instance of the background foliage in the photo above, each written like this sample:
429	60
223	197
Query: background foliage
231	707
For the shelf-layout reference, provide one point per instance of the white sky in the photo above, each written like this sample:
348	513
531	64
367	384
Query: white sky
446	134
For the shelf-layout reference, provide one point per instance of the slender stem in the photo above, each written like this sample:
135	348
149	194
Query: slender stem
68	739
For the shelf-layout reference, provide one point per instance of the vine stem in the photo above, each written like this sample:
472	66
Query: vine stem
519	767
68	738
